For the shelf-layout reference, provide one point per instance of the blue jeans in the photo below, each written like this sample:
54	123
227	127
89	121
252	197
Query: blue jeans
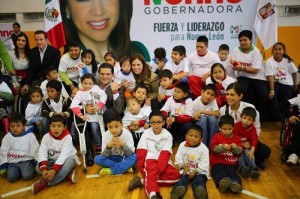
245	160
96	132
210	127
117	164
199	180
62	173
25	170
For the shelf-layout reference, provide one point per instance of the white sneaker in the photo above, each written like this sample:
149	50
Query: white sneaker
292	160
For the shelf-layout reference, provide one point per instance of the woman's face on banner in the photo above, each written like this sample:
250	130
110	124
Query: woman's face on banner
94	19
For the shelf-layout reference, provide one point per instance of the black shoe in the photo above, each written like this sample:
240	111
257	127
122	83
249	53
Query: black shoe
254	172
244	171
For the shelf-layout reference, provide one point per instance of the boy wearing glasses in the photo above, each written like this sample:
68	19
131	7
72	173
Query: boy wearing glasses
154	158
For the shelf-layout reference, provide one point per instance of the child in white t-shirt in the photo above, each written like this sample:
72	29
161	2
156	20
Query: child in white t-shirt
18	150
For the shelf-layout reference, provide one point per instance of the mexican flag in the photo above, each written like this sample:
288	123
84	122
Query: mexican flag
53	24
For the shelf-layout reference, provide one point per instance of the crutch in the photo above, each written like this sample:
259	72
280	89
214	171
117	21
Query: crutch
99	117
82	143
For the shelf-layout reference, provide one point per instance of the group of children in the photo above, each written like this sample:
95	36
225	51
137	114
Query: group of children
209	141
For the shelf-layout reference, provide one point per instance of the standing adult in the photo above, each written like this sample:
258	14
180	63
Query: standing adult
68	69
16	31
200	63
247	61
143	75
102	26
40	59
20	60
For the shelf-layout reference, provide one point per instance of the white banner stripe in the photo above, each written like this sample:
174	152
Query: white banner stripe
253	194
15	192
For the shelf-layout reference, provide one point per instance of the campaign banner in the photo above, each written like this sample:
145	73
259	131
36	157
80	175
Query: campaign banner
167	23
5	32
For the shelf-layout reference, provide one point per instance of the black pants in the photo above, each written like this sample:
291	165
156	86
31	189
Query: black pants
256	93
262	152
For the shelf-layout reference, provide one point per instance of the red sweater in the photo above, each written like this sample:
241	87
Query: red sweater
246	135
227	157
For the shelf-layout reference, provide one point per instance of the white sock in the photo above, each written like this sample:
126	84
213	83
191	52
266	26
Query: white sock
152	194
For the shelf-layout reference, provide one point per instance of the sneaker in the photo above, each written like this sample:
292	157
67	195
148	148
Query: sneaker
178	192
244	171
254	172
39	186
224	184
72	177
98	150
136	182
292	160
105	172
200	193
130	170
235	187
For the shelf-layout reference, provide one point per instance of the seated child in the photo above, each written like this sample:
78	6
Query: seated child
159	61
206	113
118	155
55	104
125	76
165	90
225	150
141	92
89	63
135	119
247	132
19	149
179	110
52	74
6	97
90	94
33	111
154	158
224	56
56	157
111	58
221	81
179	64
293	149
192	158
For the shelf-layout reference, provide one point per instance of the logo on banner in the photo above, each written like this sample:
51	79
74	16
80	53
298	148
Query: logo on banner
266	11
51	14
235	30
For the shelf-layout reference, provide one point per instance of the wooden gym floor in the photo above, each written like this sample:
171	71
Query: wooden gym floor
277	181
